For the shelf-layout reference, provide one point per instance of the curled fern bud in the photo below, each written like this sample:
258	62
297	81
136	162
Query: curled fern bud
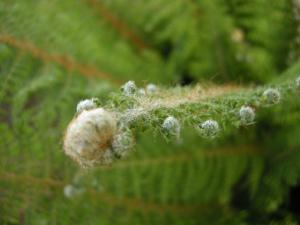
298	82
209	128
151	88
86	104
271	96
247	114
89	137
122	143
129	88
171	126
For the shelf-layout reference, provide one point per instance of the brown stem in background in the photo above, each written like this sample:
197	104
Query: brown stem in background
64	61
136	204
185	157
118	25
129	203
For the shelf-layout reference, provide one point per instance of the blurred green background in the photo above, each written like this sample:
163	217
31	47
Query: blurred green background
54	53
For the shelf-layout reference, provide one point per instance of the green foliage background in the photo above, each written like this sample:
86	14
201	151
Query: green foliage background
55	53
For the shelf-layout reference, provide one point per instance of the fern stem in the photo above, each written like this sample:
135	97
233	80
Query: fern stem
129	203
118	25
66	62
236	151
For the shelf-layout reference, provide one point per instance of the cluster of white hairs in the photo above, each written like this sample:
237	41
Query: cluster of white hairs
210	128
130	89
86	104
93	137
271	96
247	115
99	136
172	127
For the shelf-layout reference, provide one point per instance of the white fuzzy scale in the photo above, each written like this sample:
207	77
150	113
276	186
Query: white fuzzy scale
247	115
172	126
271	96
86	104
209	128
151	88
129	88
